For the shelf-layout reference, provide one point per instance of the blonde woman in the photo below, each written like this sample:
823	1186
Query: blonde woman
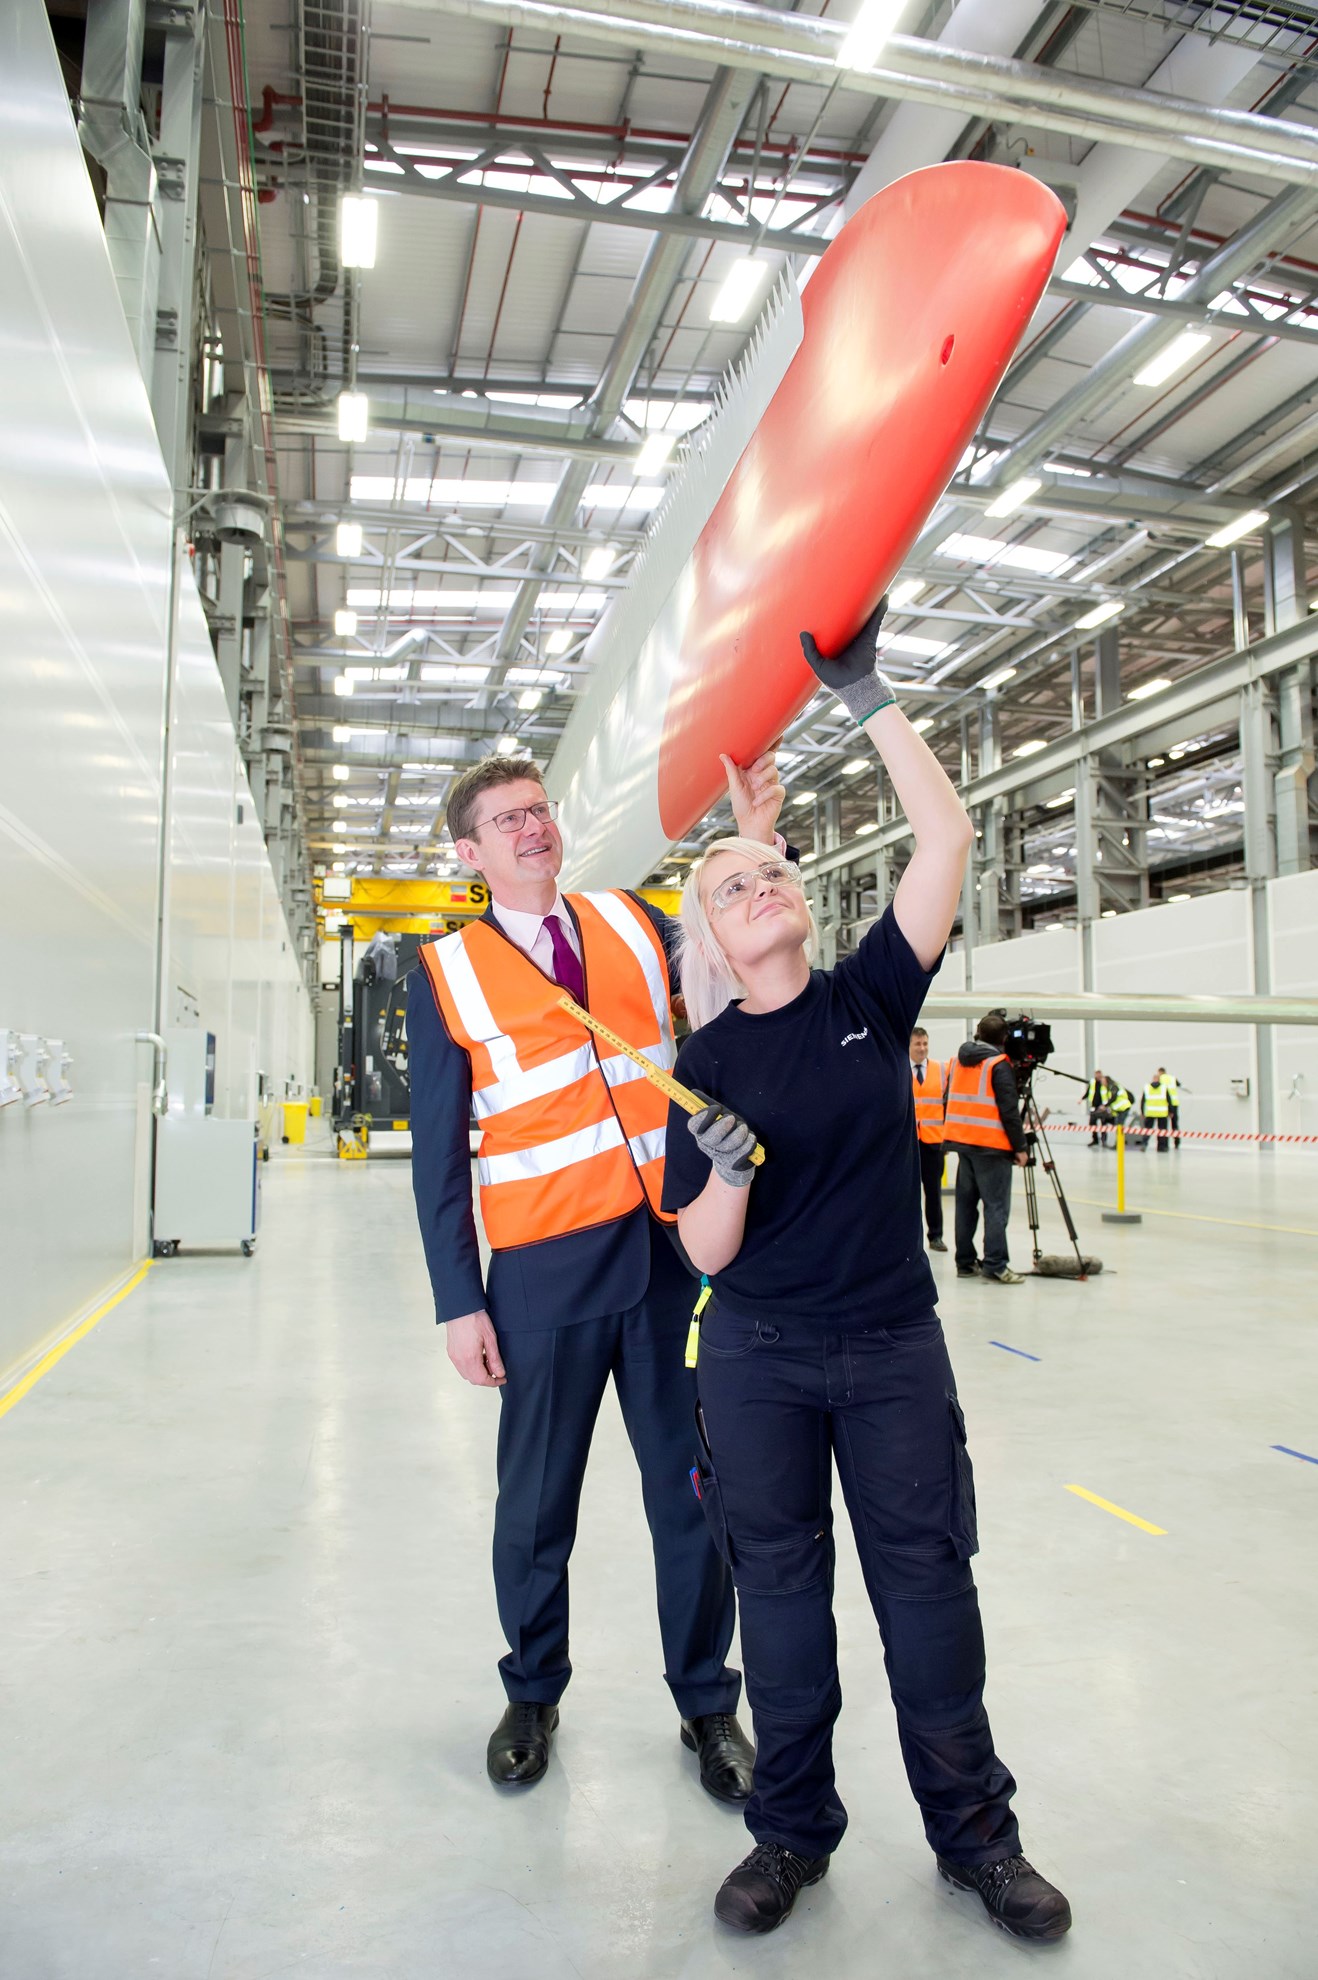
822	1341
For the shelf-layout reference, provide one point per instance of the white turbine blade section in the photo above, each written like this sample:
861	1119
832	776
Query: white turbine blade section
605	771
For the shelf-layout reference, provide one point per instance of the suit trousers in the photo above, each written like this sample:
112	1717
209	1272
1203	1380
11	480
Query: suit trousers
556	1382
781	1401
931	1181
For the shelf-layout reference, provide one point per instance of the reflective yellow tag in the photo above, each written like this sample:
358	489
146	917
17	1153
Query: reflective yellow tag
692	1341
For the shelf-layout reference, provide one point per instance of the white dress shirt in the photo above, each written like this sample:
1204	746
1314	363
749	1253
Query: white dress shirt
528	932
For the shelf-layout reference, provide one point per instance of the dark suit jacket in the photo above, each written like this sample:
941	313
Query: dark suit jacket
534	1286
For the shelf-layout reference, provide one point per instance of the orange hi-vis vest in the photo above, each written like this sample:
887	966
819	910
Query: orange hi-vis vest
972	1109
572	1133
928	1101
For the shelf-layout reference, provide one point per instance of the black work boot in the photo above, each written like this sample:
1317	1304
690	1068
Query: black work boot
727	1758
760	1892
518	1752
1014	1895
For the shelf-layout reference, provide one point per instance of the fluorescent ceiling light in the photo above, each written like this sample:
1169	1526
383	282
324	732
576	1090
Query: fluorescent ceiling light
529	698
348	540
904	594
342	684
507	746
1056	803
473	494
870	29
559	641
870	825
1147	688
455	673
339	847
1014	497
1156	762
1175	358
342	733
340	866
807	857
1011	556
358	228
599	563
1178	897
923	726
856	765
354	416
923	649
345	622
340	773
657	448
341	802
741	285
991	681
804	797
1233	531
1111	608
1031	748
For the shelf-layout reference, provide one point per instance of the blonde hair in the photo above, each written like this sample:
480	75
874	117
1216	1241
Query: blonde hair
709	982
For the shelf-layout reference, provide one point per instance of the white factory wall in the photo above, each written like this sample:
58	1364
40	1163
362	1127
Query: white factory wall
1295	974
85	541
1199	947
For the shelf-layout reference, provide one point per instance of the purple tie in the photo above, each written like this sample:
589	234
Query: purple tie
567	967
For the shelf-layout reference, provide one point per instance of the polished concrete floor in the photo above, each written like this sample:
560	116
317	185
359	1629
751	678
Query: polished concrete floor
249	1637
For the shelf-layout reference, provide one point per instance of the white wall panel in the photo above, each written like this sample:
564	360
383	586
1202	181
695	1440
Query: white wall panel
85	544
1038	963
1294	905
84	586
1199	947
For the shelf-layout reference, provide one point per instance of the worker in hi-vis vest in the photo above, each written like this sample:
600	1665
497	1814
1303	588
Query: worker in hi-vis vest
1173	1104
1156	1107
928	1082
584	1280
1098	1099
983	1125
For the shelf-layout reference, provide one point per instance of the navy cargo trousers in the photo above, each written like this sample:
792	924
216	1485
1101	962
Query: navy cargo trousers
779	1402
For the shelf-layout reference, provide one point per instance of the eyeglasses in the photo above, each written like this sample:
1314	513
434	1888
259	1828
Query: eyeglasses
778	873
513	821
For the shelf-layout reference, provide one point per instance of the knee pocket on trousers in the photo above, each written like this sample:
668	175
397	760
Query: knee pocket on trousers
963	1521
783	1567
925	1575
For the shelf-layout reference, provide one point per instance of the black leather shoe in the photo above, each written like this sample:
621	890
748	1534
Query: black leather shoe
760	1892
936	1244
1014	1895
968	1271
518	1752
727	1758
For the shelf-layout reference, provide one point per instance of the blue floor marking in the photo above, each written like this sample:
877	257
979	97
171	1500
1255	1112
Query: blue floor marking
1038	1357
1299	1454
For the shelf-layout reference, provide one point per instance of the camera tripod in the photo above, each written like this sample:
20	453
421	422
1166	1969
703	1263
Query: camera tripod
1036	1139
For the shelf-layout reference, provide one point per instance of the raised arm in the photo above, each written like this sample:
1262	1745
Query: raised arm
928	893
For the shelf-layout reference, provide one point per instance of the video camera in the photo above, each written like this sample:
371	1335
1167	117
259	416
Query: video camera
1028	1043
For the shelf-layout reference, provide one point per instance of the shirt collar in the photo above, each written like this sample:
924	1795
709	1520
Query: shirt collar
521	927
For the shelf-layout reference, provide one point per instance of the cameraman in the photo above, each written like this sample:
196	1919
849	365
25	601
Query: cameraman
983	1126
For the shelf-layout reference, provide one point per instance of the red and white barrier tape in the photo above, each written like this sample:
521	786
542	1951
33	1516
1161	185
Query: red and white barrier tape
1179	1134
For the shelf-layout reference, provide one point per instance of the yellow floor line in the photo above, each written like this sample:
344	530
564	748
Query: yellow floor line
1189	1217
47	1362
1132	1519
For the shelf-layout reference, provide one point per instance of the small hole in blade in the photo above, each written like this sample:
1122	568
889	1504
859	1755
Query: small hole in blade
947	350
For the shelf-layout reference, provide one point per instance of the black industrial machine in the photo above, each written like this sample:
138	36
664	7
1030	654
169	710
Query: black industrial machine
371	1087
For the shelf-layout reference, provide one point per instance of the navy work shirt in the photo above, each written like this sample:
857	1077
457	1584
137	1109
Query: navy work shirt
833	1231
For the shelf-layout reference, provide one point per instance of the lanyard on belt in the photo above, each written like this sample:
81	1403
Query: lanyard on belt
693	1332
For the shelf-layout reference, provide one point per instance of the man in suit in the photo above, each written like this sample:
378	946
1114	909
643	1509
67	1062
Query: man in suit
584	1281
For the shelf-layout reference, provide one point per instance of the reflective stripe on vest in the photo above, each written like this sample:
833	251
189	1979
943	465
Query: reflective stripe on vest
928	1102
569	1139
1156	1103
972	1107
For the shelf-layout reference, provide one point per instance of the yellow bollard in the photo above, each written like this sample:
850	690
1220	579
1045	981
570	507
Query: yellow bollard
1121	1215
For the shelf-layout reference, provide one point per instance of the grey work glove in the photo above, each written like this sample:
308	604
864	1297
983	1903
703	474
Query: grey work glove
727	1141
853	674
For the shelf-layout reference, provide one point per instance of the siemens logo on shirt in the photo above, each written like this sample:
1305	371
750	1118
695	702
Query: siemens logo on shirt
854	1037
